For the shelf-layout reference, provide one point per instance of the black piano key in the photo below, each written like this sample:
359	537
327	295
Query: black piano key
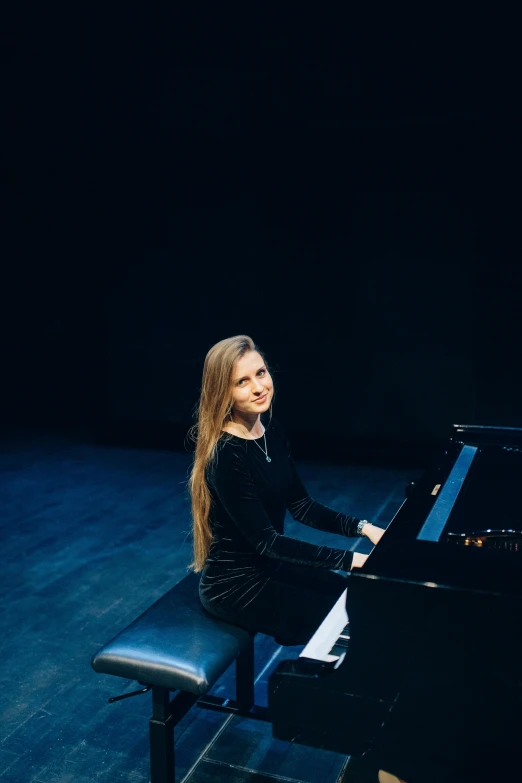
345	633
338	649
342	642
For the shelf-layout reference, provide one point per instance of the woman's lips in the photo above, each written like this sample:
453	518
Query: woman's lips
262	399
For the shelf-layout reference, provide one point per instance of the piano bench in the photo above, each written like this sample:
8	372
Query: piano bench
176	646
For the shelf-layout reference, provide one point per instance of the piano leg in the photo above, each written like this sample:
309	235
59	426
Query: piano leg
453	726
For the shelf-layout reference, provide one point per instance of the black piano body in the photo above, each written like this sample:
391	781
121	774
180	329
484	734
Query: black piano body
434	659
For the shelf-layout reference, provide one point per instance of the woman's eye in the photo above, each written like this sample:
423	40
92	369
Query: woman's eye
244	379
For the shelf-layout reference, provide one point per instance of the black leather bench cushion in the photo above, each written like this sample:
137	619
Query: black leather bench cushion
174	643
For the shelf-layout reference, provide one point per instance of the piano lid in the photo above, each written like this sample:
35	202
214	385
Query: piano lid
474	485
482	491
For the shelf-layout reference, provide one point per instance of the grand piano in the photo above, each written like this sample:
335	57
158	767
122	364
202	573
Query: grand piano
428	666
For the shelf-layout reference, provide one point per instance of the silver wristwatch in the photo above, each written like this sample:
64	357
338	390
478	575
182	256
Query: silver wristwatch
360	526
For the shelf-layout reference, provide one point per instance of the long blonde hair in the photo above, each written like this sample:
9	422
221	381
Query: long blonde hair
213	411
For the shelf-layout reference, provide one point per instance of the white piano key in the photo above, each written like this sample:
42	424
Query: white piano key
327	634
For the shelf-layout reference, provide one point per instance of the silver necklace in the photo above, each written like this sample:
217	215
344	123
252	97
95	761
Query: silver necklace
264	450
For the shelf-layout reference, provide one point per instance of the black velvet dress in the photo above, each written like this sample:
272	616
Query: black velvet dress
255	576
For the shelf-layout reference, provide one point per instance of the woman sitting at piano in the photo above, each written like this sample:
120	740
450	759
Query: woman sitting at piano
242	482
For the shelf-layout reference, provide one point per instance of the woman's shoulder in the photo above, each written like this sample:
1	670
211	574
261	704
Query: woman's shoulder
228	461
228	451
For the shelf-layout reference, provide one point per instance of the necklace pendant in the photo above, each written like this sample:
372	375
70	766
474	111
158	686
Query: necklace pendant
268	459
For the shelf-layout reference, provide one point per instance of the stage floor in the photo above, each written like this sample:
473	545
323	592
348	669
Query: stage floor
92	536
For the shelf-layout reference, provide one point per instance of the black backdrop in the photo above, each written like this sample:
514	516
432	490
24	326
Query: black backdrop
343	189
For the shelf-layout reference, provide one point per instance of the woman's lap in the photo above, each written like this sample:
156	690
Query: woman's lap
290	605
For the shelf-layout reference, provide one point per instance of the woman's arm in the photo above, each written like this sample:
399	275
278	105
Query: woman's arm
308	511
236	490
372	532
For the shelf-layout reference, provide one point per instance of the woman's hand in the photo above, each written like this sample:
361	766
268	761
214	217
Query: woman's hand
372	532
358	560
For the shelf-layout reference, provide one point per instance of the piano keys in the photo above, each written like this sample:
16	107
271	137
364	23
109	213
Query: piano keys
430	659
332	637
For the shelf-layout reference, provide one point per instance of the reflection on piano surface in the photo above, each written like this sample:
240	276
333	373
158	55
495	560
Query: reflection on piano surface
494	539
428	668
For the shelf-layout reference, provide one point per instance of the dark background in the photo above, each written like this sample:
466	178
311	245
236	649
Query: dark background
343	189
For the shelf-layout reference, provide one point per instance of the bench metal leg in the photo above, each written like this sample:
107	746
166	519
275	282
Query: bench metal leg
166	713
161	727
245	678
243	704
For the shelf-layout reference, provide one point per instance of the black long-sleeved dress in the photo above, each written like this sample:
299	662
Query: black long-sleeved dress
255	576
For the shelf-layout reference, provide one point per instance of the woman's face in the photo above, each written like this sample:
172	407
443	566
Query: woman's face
251	382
